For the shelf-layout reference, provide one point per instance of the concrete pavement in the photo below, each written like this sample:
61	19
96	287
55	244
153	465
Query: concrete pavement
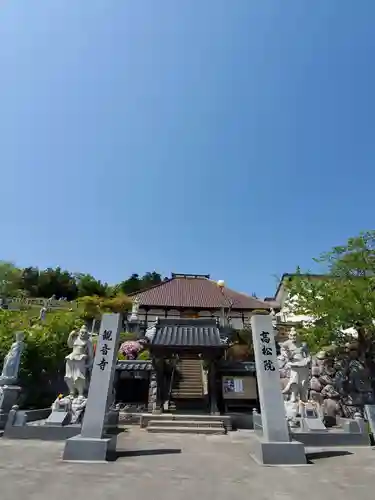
180	467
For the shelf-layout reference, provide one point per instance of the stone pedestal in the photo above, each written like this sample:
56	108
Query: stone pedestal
278	453
134	326
9	395
82	449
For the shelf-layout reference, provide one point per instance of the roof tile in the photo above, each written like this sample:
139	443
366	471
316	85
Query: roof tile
195	333
199	293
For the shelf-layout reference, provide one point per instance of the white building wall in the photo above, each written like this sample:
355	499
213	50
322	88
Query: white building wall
235	316
286	314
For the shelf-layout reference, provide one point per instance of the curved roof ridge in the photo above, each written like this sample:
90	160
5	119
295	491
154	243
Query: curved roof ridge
243	294
199	293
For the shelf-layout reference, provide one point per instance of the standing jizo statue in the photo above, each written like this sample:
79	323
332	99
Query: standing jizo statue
79	361
9	375
135	309
299	363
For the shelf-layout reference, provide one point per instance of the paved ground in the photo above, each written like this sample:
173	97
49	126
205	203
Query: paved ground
180	467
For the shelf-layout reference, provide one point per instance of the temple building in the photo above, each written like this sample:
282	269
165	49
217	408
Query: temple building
188	323
196	296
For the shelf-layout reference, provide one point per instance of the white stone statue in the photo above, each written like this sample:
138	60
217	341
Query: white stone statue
42	313
299	363
79	361
135	309
12	360
284	370
151	331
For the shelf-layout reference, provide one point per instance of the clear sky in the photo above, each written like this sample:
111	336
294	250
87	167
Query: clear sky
234	138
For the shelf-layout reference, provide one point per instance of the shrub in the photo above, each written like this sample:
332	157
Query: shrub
43	358
92	307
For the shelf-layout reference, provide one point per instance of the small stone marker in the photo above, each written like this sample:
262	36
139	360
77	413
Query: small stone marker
310	419
274	447
58	418
92	444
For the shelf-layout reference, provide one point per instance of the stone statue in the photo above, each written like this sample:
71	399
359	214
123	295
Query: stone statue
135	309
79	361
284	370
9	375
42	313
151	331
299	362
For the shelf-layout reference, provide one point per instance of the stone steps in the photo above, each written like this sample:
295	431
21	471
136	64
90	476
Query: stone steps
185	430
189	385
183	417
192	422
186	425
187	395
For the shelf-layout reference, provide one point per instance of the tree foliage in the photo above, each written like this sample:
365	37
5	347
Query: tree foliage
87	285
93	307
10	277
43	359
343	298
59	283
136	283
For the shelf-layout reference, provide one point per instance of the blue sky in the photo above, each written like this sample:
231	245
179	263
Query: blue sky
231	138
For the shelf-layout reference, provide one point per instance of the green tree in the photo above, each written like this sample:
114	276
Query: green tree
87	285
57	282
10	279
135	283
150	279
92	307
342	298
131	285
43	359
29	281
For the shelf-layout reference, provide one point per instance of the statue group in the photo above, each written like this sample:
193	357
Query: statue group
335	384
78	365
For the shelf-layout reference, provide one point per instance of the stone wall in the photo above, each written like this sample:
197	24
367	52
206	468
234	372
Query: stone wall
340	383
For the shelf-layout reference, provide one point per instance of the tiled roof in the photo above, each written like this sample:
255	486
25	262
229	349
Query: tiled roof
133	365
201	293
187	333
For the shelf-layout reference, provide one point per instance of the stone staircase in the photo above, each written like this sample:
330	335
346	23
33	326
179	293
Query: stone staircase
188	383
188	424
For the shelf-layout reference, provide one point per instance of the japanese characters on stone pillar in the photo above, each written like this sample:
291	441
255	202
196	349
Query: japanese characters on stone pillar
100	391
271	400
93	444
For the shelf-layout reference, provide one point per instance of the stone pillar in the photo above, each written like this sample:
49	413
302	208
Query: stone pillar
152	392
93	444
274	446
156	387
